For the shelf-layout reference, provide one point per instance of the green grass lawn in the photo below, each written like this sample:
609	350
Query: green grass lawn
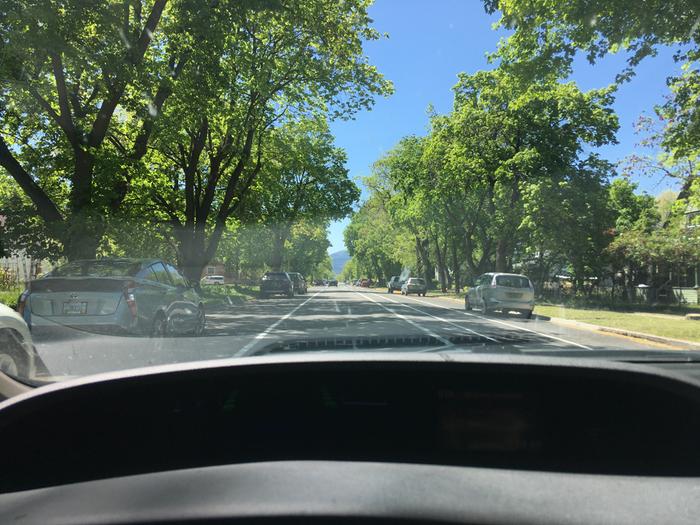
667	326
216	294
9	297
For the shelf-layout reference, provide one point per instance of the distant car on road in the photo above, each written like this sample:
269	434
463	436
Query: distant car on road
17	353
213	279
394	284
276	283
333	282
501	291
300	286
119	296
414	285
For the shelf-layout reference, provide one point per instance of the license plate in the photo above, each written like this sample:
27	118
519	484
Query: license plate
514	295
75	307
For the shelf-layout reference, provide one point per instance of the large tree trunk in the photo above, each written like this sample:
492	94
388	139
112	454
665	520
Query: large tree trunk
280	234
456	265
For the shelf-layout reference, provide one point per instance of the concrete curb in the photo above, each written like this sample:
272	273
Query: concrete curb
686	345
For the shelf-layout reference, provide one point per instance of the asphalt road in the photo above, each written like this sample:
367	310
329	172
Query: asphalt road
326	314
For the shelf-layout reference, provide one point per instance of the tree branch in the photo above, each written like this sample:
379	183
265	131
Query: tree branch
46	208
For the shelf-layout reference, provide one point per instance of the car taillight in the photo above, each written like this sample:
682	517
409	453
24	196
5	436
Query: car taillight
130	299
22	302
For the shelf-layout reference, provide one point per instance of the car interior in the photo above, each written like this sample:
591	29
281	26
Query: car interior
474	439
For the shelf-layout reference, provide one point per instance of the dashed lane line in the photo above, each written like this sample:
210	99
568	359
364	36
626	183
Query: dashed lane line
510	325
274	325
409	321
442	320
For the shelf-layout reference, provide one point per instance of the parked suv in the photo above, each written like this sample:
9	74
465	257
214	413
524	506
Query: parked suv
276	283
501	291
300	286
414	285
394	284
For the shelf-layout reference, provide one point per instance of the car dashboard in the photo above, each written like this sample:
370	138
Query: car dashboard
475	415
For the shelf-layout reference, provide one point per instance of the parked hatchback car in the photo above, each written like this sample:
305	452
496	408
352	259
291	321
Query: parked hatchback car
414	285
276	283
300	286
118	296
501	291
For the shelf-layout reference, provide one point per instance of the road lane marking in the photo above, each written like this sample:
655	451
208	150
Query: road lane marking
505	324
267	330
404	318
442	320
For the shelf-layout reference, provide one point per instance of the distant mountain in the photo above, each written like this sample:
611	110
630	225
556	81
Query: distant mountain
339	259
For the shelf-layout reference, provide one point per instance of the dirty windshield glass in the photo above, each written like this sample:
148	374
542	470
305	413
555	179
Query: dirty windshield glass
187	182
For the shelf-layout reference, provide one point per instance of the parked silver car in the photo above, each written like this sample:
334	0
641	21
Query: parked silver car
119	296
501	291
414	285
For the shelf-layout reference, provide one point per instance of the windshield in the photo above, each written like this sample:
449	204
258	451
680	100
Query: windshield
181	184
512	281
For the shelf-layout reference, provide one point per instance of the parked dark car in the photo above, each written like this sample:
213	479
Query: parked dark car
394	284
131	296
300	286
276	283
333	282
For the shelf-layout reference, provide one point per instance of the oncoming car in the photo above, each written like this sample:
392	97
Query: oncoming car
501	291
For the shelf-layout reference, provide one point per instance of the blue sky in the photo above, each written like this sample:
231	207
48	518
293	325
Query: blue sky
429	43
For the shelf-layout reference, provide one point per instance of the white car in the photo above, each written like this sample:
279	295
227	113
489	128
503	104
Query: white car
213	279
17	354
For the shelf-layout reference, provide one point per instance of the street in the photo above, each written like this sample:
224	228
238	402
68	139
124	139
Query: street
324	313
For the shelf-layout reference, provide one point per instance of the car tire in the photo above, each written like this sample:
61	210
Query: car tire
290	293
527	314
201	322
14	359
159	328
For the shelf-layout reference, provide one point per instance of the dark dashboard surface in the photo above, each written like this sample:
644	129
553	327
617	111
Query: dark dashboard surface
534	414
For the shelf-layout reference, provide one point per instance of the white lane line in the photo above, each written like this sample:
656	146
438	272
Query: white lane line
442	320
267	330
505	324
404	318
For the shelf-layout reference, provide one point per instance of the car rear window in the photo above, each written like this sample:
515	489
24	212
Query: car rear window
98	269
275	276
416	281
513	281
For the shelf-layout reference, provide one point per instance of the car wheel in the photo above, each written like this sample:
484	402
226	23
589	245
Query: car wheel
527	314
14	359
290	293
160	326
201	322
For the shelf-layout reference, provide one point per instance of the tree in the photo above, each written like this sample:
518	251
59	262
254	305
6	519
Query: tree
304	180
303	59
82	85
